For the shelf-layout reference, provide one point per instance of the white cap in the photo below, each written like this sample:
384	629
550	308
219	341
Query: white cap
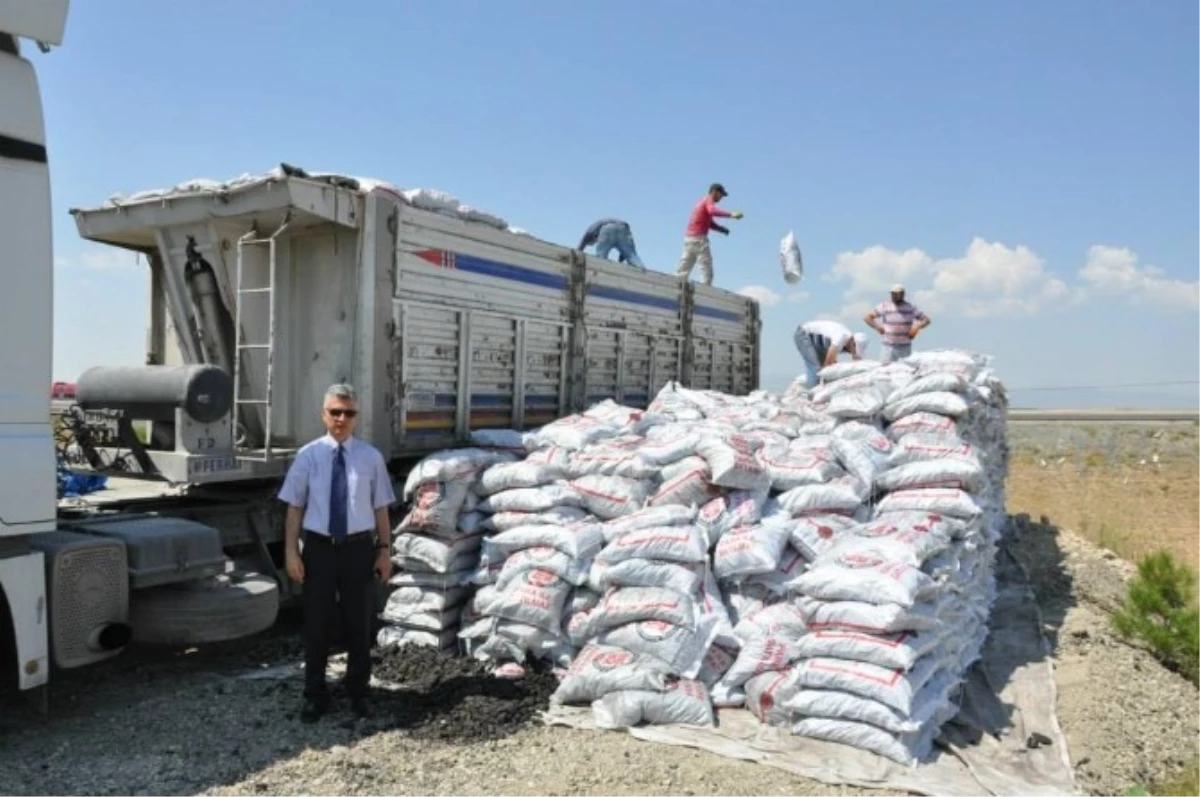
897	288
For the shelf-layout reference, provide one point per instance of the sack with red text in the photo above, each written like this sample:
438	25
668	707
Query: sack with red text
733	462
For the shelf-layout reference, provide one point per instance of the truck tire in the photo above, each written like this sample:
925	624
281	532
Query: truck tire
205	610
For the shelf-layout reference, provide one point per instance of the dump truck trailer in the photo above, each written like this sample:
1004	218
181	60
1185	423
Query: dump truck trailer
444	318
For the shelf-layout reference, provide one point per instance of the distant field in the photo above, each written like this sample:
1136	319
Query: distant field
1130	487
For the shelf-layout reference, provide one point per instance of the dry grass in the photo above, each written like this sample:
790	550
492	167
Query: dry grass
1187	782
1116	502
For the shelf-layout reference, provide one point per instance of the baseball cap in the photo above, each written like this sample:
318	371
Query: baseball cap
897	288
718	187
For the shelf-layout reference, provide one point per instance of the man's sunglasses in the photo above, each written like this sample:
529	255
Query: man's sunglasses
341	413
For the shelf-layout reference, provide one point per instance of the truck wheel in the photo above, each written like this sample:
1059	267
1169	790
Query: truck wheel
205	610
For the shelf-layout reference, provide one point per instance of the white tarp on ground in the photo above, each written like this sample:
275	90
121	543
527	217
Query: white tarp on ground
1010	696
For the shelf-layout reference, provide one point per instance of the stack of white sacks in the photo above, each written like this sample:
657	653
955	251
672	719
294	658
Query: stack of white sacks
823	558
435	547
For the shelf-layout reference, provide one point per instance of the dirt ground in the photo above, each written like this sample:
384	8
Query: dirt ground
187	724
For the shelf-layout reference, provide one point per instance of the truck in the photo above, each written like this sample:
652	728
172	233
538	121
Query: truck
264	290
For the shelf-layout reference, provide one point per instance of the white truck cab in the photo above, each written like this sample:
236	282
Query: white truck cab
27	464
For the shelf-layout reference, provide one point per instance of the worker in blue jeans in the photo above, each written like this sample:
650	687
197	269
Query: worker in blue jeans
820	342
610	234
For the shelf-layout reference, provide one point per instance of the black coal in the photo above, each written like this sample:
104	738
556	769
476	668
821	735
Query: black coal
456	698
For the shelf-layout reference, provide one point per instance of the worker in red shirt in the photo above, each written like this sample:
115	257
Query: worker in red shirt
695	243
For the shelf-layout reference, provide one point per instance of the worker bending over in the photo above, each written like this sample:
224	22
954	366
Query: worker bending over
820	343
898	321
610	234
695	242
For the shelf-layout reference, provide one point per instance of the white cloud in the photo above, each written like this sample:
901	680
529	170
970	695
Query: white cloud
875	269
107	259
1112	269
989	279
763	295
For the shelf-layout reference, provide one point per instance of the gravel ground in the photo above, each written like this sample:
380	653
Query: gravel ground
185	724
1127	443
1127	719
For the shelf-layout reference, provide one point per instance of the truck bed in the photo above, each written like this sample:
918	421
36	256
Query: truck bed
445	321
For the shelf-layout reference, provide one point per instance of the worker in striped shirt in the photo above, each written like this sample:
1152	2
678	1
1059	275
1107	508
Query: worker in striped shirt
821	342
898	321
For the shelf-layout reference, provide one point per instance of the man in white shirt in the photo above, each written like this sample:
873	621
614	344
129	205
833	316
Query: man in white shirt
338	491
820	343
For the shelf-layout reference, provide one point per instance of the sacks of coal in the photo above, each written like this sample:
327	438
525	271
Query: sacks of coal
435	548
657	613
823	557
897	606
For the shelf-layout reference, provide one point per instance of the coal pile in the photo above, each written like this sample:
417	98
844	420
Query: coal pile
455	698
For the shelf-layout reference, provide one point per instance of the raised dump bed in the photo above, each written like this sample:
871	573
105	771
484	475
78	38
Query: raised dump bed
445	319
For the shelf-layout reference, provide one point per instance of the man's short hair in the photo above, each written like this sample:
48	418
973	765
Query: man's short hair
342	391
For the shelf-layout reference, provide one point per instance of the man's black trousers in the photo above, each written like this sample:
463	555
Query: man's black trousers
338	574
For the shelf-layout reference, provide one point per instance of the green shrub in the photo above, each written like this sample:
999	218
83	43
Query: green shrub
1160	611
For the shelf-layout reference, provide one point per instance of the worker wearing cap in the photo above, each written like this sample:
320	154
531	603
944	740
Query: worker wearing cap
898	321
821	342
695	243
610	234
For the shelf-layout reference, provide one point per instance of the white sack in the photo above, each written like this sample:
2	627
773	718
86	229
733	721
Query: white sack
865	577
461	464
790	259
669	515
600	669
683	703
733	462
814	535
609	497
531	499
749	550
667	543
534	597
435	508
558	516
511	475
841	495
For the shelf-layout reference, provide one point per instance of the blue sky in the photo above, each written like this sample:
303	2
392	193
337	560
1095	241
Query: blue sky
1029	169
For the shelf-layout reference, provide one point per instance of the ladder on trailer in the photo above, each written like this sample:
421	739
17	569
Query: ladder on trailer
242	348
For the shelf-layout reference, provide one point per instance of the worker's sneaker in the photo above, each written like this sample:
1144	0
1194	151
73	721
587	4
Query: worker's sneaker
313	710
360	707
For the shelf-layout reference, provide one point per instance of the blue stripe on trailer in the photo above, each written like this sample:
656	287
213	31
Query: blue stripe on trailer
487	267
633	297
724	315
494	268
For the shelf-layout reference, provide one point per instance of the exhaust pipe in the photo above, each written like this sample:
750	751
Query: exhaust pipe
112	636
